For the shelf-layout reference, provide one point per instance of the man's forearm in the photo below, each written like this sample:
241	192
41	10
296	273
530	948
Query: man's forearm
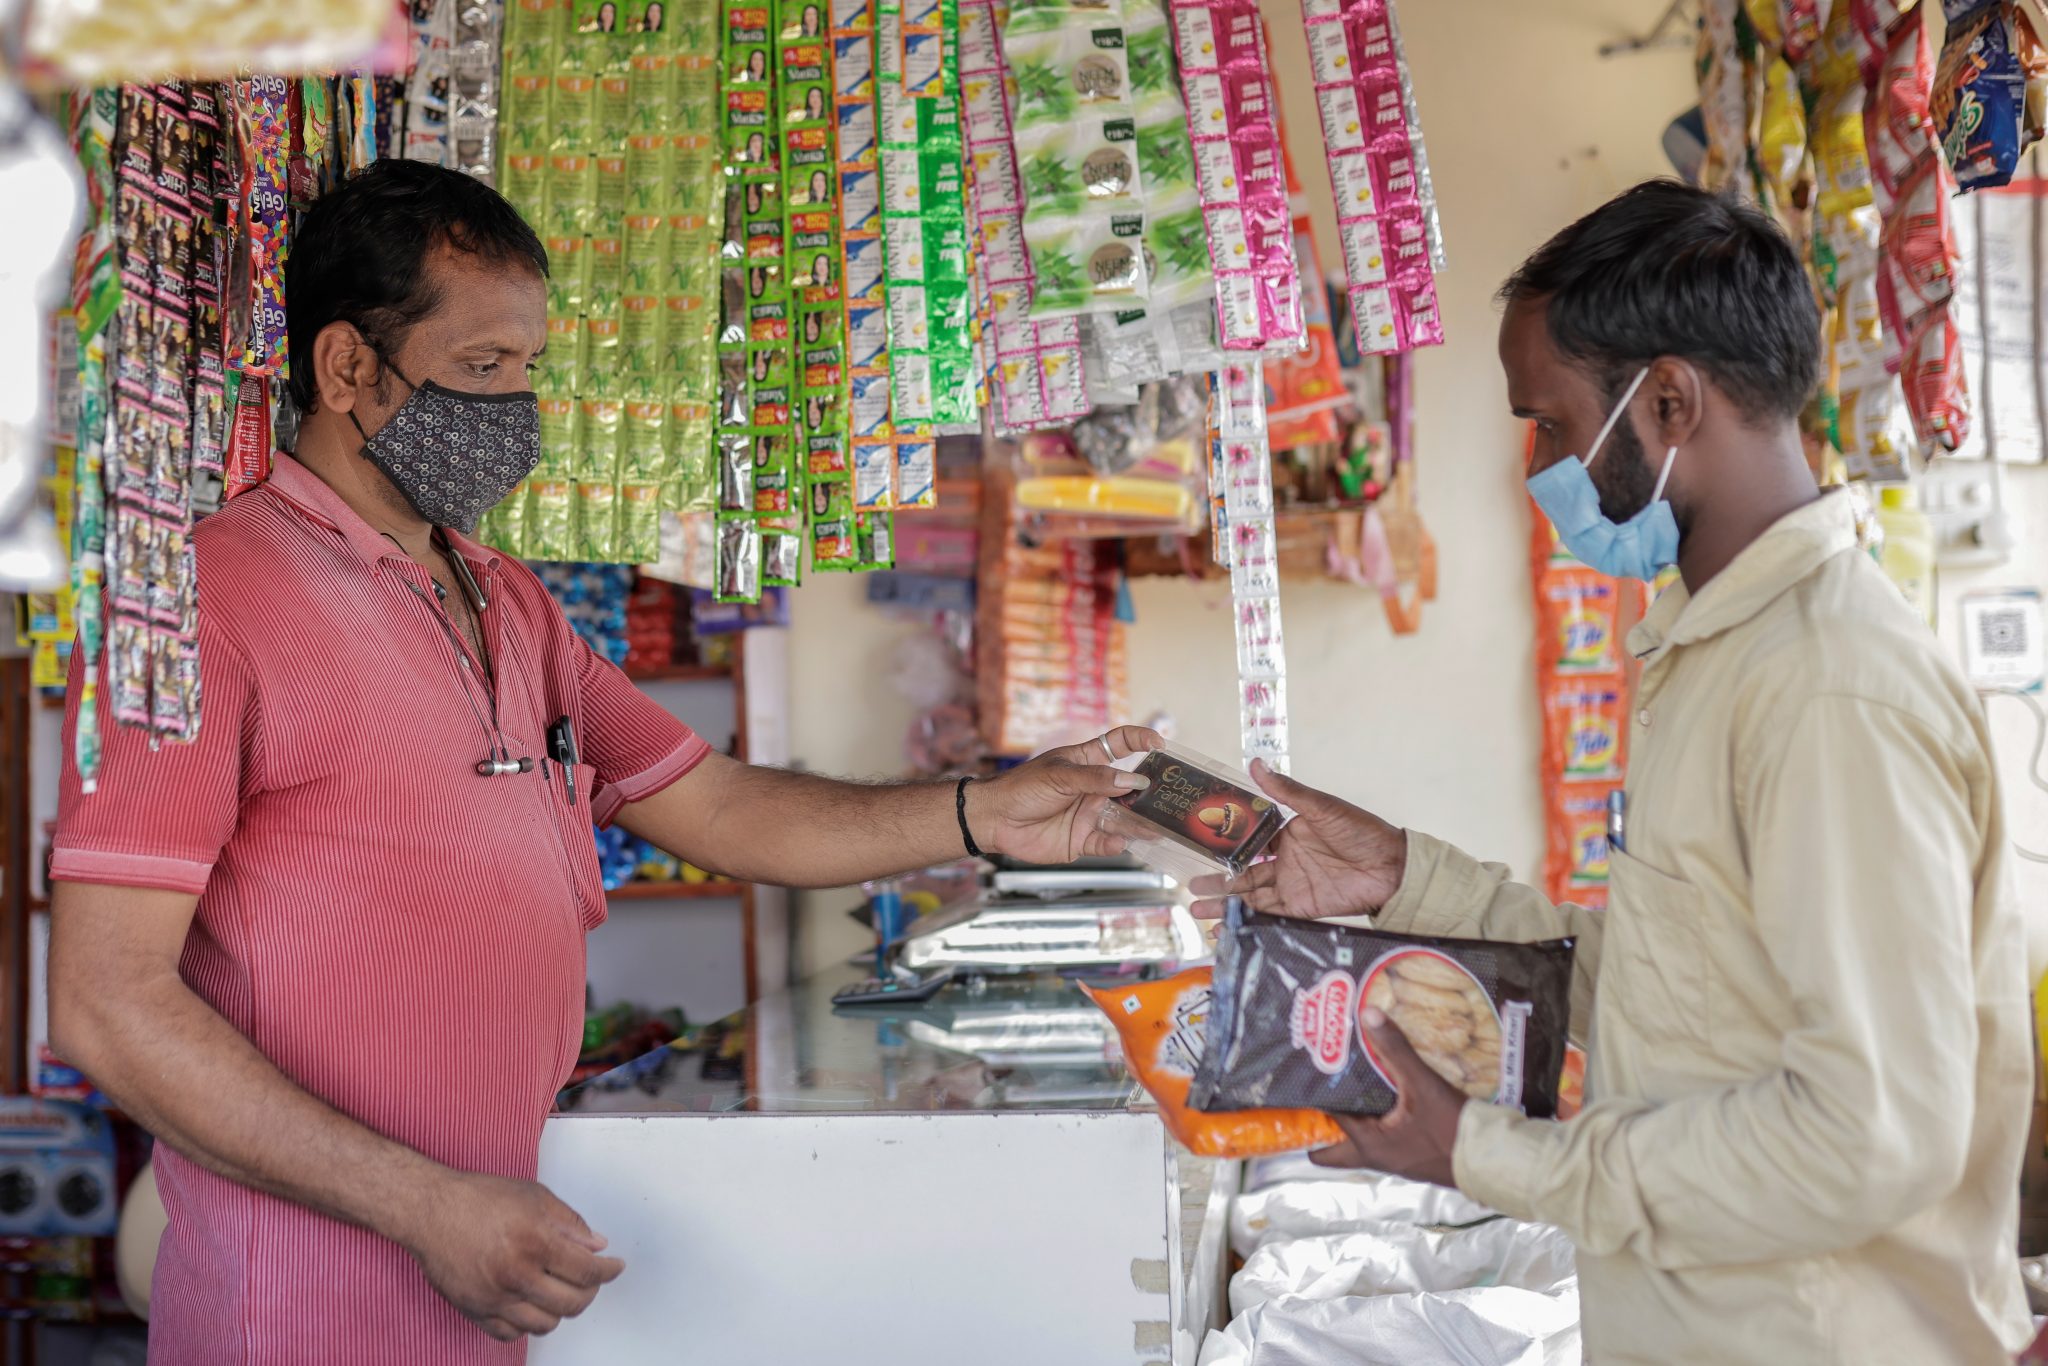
191	1079
799	829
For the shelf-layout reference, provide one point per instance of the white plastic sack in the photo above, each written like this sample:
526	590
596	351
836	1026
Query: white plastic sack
1361	1201
1406	1260
1499	1326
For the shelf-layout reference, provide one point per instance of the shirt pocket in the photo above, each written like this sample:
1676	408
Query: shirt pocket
1655	968
578	834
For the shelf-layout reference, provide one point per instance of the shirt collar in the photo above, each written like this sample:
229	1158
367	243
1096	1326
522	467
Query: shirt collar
1796	545
310	494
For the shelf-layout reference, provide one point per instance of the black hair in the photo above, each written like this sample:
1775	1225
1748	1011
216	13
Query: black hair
1665	269
359	255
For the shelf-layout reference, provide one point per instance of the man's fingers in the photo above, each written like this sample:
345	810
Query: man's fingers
1336	1155
574	1262
1125	741
1102	844
498	1329
1403	1063
572	1224
1094	780
560	1297
1209	910
1282	788
530	1319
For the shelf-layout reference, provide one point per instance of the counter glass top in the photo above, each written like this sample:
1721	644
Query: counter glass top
1031	1043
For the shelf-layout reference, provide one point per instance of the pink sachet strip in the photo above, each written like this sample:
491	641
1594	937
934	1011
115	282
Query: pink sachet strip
1233	120
1382	221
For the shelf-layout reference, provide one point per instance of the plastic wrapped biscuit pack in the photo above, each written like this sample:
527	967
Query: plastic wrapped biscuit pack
1288	1027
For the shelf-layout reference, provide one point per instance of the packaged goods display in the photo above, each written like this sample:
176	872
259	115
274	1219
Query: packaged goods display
789	245
1288	1020
1385	206
1584	682
1197	816
1037	379
1051	654
1164	1029
1842	123
1233	121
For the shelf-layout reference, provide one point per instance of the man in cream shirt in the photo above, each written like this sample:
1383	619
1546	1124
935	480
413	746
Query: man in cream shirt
1806	1004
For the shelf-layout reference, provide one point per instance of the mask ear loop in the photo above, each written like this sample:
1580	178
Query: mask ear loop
1615	416
1670	459
2033	760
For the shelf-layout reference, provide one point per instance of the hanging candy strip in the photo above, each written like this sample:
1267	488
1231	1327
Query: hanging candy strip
752	298
864	287
1373	174
1232	121
822	476
1244	464
97	293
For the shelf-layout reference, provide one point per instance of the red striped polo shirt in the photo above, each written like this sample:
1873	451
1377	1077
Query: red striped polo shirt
401	937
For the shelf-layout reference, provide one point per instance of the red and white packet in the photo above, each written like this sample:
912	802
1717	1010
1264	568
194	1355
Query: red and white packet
1233	122
1383	219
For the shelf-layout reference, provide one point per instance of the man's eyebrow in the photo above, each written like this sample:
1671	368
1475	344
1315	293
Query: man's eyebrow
1524	413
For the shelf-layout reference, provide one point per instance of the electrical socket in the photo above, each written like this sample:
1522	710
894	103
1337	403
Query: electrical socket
1964	510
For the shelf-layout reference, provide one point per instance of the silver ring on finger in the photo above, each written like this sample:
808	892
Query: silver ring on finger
1107	750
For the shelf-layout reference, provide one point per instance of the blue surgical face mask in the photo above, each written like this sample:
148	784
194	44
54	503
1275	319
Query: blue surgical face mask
1635	549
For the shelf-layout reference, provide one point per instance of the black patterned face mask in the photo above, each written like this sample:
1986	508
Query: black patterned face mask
455	455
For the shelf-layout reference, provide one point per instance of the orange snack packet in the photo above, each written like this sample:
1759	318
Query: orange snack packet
1162	1027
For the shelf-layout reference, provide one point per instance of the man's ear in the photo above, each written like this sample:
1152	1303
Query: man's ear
1678	396
343	366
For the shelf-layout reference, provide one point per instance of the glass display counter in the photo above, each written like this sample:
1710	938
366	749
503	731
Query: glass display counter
973	1178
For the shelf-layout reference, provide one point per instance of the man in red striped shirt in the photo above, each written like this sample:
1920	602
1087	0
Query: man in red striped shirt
331	952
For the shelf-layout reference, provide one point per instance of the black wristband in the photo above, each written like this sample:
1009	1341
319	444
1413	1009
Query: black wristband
960	810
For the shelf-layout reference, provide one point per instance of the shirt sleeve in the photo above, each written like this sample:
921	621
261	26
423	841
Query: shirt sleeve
636	746
1445	891
1864	847
159	816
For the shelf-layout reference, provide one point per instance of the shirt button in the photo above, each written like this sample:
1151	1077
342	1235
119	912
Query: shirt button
1643	717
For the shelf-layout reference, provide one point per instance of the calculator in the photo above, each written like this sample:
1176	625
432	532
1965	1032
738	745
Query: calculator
903	988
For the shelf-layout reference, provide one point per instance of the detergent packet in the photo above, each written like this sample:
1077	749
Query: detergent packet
1163	1026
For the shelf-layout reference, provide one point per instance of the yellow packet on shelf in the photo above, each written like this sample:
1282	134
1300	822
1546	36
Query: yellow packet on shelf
1152	499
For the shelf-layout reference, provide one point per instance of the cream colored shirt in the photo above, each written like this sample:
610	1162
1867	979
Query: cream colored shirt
1806	1006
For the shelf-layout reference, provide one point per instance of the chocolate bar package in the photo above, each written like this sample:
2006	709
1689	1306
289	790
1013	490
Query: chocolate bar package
1198	816
1287	1030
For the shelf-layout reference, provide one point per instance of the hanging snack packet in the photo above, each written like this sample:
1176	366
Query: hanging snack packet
1233	123
1381	218
1581	619
1076	134
1198	816
1163	1027
1290	995
806	96
1980	95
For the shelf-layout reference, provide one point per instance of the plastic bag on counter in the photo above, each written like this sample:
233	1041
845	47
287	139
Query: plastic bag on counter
1406	1260
1160	1025
1497	1326
1342	1202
